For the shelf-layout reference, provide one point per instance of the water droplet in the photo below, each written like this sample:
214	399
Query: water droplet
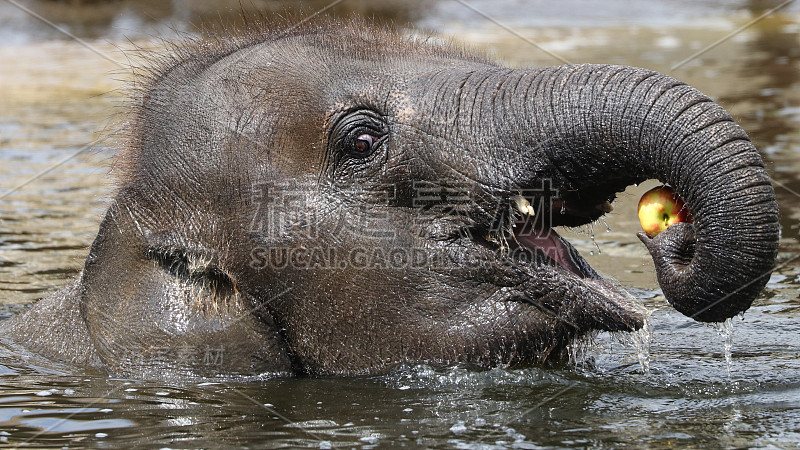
458	428
608	228
372	439
591	236
563	207
725	329
642	339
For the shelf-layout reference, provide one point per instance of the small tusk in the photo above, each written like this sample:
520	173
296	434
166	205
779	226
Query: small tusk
524	205
606	207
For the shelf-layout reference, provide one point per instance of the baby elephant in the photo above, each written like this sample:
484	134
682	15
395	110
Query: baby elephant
340	199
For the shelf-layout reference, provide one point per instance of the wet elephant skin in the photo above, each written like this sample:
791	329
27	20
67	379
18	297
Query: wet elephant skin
341	199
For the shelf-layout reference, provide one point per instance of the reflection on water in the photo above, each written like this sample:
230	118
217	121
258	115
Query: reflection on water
55	96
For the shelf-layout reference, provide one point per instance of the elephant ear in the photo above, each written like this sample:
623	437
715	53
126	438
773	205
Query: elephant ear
155	309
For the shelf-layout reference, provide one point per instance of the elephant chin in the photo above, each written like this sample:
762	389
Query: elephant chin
617	309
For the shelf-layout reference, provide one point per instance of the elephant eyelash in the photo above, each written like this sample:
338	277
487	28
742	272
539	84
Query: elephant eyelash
348	130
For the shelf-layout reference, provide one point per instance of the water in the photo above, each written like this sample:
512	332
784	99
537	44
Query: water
608	227
725	330
591	236
675	383
642	339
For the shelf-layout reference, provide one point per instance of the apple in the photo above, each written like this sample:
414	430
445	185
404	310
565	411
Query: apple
661	207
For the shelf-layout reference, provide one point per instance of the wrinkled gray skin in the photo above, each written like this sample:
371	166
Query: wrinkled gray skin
390	170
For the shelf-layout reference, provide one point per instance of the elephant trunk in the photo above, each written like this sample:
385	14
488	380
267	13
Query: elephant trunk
602	128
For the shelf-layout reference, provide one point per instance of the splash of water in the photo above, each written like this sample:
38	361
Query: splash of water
406	378
581	348
641	340
725	329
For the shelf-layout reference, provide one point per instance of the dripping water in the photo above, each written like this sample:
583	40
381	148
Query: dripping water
725	329
581	348
608	228
591	236
641	340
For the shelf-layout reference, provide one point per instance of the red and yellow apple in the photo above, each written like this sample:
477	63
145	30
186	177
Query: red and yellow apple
661	207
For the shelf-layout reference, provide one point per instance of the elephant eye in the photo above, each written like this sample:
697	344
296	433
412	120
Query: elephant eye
363	145
355	138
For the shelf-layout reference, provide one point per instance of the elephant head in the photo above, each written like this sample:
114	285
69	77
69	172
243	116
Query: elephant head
341	200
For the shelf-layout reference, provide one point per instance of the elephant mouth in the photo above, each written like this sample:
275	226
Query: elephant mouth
533	232
588	301
549	247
